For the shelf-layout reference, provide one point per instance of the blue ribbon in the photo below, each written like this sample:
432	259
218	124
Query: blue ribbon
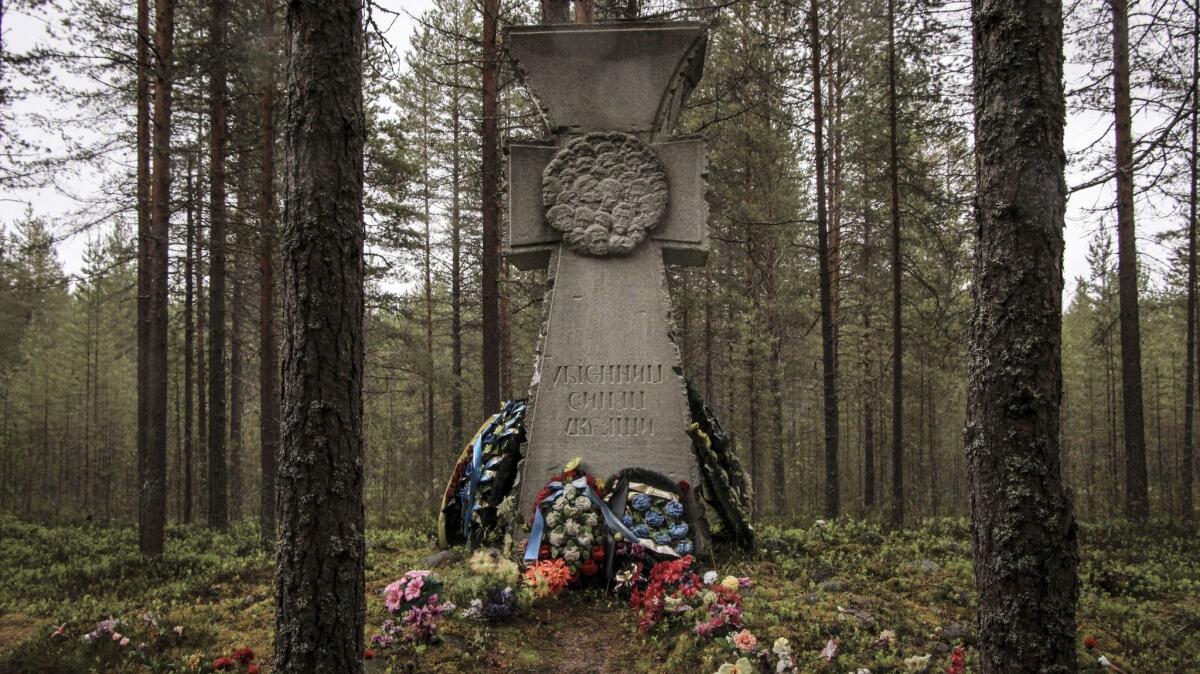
511	416
614	524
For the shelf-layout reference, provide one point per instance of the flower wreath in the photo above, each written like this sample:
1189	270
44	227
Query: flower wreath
569	523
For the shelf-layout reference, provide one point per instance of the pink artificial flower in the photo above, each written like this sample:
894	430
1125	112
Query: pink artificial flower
413	590
124	641
393	595
116	636
745	641
830	650
59	631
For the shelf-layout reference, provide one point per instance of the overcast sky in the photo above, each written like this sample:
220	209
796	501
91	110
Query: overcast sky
21	31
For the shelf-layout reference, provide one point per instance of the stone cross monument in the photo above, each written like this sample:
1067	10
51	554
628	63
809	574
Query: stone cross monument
604	204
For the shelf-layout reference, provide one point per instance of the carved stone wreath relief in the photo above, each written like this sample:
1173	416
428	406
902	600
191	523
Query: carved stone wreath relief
604	192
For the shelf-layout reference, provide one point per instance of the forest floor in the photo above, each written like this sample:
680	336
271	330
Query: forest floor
849	580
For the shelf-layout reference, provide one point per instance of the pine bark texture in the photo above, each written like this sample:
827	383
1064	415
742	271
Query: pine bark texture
1026	552
145	260
489	192
268	345
1137	499
319	588
828	367
153	510
897	512
218	505
1189	424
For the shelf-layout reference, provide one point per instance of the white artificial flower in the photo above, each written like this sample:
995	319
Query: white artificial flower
569	491
591	519
571	555
552	520
710	577
571	527
582	504
556	538
1105	662
585	539
781	647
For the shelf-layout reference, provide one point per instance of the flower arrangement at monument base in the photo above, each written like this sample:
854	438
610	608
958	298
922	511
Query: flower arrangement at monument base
670	591
416	603
567	524
657	518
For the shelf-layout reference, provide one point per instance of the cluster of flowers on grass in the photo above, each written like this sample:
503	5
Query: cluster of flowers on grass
493	579
241	660
753	657
416	606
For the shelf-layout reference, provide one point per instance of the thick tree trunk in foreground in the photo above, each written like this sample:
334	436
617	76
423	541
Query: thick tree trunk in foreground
488	193
218	508
268	358
828	367
319	585
1137	499
897	327
1024	532
153	510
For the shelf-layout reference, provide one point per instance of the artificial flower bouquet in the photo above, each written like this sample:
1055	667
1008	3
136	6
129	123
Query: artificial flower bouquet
657	518
491	590
567	524
415	601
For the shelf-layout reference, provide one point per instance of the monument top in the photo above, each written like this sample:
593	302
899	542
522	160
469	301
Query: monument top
631	77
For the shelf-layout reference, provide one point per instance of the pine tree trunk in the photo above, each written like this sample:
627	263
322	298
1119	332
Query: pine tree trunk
1024	532
488	194
456	352
555	11
236	390
189	346
319	587
268	355
218	507
1137	499
868	365
897	332
145	267
832	495
201	331
154	475
1186	476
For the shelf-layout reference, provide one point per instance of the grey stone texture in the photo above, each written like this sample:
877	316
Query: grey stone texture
603	205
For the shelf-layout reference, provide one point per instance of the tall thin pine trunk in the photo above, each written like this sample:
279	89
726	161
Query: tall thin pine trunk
1186	476
145	267
868	365
1024	533
456	351
218	505
189	346
1137	498
320	594
828	367
154	473
268	374
897	331
488	193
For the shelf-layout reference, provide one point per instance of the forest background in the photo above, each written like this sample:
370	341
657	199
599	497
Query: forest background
747	325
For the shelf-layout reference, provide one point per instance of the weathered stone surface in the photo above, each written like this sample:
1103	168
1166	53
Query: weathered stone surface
604	192
605	204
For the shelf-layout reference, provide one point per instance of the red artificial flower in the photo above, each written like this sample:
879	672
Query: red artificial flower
243	655
958	661
224	664
589	567
598	553
684	486
591	482
368	654
544	551
1090	642
253	668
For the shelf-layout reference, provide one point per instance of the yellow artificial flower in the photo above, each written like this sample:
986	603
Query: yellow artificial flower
730	583
742	666
573	463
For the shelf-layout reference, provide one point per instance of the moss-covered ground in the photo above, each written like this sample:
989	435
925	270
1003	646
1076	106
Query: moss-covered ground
849	580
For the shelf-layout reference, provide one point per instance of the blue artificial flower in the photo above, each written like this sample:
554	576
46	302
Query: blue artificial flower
641	531
684	547
662	538
627	520
675	509
655	519
679	530
641	503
